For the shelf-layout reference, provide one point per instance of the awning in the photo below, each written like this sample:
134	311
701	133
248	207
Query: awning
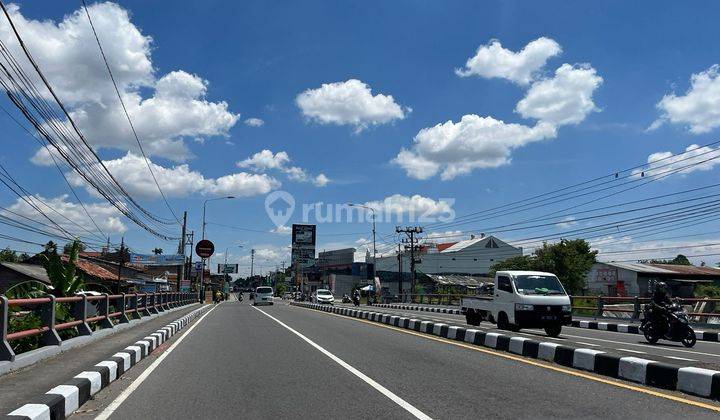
689	281
368	288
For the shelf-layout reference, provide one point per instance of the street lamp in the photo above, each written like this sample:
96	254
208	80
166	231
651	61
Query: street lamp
373	228
202	269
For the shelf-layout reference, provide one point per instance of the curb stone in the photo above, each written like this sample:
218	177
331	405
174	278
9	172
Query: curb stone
690	380
419	308
61	401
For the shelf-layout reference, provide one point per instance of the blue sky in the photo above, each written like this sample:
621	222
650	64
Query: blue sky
259	56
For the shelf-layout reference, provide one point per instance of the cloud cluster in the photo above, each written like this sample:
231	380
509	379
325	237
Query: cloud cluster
492	60
416	205
699	108
349	103
61	210
179	181
457	148
266	160
254	122
165	109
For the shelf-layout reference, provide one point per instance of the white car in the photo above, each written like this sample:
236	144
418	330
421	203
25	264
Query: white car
323	296
263	296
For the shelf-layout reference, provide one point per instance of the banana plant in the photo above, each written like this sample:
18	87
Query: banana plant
65	279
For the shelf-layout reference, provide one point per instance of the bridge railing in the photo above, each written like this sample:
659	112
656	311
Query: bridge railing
110	310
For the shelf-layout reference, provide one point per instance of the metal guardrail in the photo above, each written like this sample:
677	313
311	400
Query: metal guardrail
111	309
591	305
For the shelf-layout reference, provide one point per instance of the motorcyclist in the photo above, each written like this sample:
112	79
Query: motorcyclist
660	302
356	297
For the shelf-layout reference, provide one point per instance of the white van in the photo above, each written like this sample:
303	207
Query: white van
263	296
522	299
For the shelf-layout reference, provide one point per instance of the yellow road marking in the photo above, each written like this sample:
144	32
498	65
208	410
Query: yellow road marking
504	355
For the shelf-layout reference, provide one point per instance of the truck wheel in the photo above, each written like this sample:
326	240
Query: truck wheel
502	321
553	330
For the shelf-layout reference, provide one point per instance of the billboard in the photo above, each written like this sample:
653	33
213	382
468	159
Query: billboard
227	268
303	245
160	259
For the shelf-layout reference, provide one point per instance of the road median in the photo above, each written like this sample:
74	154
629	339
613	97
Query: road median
691	380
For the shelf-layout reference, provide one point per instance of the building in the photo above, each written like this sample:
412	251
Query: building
474	256
12	274
635	279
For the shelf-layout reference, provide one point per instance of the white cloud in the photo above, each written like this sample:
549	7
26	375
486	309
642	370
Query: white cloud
179	181
107	217
173	108
566	222
695	158
349	103
492	60
254	122
282	230
321	180
473	142
447	236
265	160
699	108
415	206
563	99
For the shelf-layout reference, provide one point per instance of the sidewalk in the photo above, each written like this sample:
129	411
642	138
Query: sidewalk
16	388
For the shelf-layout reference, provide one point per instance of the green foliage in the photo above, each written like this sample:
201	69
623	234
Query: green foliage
8	255
707	290
679	260
280	289
67	249
569	260
157	251
21	322
63	276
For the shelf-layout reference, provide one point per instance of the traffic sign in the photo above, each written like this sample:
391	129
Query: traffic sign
204	249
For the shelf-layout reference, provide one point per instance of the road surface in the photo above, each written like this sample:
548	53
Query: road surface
283	361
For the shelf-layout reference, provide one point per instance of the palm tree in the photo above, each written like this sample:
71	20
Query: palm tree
157	251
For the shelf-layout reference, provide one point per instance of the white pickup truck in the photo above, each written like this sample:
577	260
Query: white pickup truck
522	299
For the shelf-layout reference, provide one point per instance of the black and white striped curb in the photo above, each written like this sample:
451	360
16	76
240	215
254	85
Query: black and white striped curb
63	400
691	380
634	329
419	308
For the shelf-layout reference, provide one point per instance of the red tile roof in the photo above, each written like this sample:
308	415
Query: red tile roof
92	269
441	247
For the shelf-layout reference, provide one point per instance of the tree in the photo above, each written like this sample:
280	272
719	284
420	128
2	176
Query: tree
68	247
63	275
679	260
8	255
157	251
569	260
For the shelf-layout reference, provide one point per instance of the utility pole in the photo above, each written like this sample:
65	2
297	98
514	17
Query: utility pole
411	231
120	263
252	263
181	250
400	275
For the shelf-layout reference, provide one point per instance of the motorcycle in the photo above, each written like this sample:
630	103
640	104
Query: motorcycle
356	300
346	298
674	327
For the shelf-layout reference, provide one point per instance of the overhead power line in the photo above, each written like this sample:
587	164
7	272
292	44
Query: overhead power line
127	115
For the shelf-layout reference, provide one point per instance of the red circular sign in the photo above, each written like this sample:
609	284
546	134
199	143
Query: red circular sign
204	248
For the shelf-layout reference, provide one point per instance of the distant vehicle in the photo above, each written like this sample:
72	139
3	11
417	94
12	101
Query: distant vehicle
323	296
522	299
263	296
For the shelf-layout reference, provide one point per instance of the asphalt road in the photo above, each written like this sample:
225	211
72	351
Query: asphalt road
704	354
242	361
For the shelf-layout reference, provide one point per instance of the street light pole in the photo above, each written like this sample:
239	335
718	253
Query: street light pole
373	229
202	268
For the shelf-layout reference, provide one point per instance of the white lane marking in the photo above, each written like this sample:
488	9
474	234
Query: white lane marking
396	399
588	344
681	358
632	351
113	406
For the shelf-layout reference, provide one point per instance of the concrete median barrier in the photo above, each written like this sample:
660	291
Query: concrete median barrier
691	380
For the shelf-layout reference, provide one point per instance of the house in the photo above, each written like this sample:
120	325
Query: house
15	273
635	279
